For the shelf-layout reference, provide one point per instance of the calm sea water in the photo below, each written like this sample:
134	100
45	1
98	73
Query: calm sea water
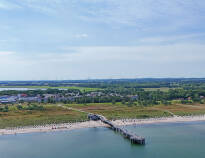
20	89
184	140
26	89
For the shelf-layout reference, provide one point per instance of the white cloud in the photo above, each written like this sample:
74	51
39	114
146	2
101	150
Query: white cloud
44	6
3	41
80	36
8	5
164	31
146	16
178	60
6	53
143	12
130	12
187	53
187	38
161	54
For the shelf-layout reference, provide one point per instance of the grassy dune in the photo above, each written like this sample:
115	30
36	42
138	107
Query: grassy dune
57	114
119	111
184	110
51	114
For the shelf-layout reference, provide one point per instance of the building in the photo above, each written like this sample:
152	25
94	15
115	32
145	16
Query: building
8	99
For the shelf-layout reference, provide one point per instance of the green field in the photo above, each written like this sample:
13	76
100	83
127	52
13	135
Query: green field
163	89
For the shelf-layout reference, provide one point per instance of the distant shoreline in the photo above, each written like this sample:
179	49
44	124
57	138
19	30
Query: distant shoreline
93	124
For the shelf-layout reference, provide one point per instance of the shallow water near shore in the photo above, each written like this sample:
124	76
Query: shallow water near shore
162	140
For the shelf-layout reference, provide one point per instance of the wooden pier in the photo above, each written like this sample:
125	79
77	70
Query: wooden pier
129	135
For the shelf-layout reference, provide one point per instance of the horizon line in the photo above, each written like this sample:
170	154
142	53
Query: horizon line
108	79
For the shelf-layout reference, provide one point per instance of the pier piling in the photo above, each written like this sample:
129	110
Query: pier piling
131	136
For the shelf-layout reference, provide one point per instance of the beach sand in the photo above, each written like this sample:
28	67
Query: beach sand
93	124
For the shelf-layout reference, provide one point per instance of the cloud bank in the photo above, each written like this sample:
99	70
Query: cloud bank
77	39
108	62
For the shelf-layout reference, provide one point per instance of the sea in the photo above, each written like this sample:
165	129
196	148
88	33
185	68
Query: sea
164	140
20	89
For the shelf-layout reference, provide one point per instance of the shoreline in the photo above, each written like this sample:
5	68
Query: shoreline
93	124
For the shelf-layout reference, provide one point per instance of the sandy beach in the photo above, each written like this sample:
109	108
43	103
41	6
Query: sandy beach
93	124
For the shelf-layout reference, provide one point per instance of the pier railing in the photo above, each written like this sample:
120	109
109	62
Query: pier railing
129	135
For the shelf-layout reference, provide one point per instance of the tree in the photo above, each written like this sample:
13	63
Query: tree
19	107
113	101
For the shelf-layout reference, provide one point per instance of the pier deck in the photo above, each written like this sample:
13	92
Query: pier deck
129	135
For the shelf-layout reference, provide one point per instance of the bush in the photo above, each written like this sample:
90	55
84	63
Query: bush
19	107
4	109
34	107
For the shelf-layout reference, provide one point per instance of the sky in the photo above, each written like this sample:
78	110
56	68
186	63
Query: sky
98	39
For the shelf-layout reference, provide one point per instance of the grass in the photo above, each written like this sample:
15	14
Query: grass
51	114
119	111
82	89
185	110
56	114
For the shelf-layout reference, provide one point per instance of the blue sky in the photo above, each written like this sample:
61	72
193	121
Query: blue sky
81	39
